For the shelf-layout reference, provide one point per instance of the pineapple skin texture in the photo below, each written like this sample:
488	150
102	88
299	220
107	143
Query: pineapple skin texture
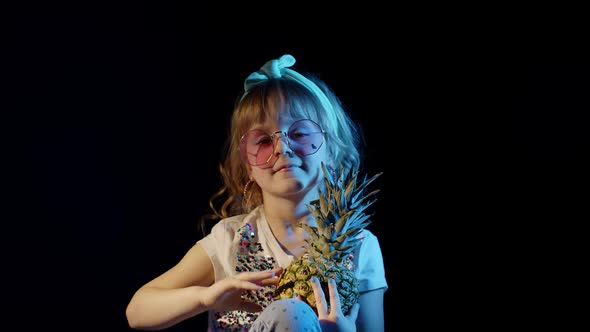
296	279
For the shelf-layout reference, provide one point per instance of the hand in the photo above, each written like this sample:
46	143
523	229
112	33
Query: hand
333	319
225	294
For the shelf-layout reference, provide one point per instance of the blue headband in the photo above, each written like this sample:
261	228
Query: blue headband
278	68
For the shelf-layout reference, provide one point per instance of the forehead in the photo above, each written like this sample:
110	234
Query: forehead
281	121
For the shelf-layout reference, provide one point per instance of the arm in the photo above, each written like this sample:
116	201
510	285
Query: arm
372	278
370	316
188	289
173	296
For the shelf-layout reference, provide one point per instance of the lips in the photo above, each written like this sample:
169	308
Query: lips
285	166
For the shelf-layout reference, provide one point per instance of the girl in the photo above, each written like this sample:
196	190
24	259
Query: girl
284	126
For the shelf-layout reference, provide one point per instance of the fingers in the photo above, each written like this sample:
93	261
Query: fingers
255	280
334	308
246	285
320	299
277	272
334	298
226	294
259	275
273	280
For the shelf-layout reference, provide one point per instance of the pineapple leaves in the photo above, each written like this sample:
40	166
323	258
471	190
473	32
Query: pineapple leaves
340	216
339	211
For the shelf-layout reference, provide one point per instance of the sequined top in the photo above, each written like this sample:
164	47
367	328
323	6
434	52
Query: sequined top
246	243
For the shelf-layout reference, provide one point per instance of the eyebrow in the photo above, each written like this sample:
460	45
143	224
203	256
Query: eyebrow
263	126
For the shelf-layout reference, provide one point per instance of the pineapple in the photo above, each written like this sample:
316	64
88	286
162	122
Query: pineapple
340	216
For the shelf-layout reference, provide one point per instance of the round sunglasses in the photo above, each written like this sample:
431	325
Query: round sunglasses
304	137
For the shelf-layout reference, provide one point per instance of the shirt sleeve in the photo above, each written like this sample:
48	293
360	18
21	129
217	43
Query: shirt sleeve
217	245
371	271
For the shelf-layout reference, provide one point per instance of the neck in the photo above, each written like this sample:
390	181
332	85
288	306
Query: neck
288	211
283	220
284	213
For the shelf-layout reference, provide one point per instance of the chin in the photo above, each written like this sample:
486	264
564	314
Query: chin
291	186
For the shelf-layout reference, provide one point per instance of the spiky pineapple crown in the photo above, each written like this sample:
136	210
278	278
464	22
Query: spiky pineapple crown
339	213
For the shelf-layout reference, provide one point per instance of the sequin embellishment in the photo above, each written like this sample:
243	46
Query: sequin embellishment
249	257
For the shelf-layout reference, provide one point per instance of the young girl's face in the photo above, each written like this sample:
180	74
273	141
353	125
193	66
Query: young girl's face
287	155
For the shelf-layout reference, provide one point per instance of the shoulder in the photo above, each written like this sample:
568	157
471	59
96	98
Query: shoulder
366	236
369	249
222	238
231	223
370	264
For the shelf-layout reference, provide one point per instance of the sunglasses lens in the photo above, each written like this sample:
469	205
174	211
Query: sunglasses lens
256	148
305	137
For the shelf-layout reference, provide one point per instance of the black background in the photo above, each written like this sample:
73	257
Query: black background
120	115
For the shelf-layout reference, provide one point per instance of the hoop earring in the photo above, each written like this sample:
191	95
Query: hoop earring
246	186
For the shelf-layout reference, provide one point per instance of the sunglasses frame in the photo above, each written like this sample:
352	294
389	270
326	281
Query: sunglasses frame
278	133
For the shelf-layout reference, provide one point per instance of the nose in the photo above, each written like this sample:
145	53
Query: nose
281	143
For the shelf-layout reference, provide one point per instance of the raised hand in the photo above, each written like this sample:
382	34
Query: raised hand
225	294
331	317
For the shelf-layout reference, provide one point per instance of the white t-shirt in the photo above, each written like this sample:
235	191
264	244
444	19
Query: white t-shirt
246	243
